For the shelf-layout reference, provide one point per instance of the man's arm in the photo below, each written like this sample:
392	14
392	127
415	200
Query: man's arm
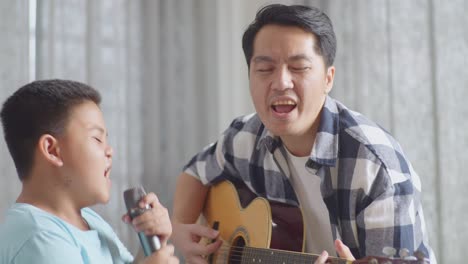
189	199
394	219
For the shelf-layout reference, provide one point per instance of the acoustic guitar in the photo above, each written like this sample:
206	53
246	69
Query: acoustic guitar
258	231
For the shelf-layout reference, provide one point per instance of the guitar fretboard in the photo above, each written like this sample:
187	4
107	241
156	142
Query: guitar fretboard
250	255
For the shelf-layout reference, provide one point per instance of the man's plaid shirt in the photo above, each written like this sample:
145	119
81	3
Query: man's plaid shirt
369	187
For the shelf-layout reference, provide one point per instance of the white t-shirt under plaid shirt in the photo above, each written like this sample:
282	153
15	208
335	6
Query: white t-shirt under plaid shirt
370	189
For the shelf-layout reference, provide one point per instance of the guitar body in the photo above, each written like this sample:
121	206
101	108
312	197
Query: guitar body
247	220
255	230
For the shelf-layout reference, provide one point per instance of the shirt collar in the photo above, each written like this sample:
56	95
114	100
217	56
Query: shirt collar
325	149
268	140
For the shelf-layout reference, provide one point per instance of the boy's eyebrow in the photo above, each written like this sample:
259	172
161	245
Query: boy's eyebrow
100	129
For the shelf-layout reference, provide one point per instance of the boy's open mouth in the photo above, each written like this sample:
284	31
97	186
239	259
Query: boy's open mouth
107	172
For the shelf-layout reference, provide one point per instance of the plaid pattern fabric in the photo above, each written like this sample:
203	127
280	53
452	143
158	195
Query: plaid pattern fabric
370	189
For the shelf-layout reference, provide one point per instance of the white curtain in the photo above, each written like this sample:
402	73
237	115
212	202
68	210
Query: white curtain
403	63
14	71
172	75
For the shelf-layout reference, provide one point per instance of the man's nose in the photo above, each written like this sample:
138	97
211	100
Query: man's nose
282	79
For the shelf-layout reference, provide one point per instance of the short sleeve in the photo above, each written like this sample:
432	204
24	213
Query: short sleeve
48	248
208	164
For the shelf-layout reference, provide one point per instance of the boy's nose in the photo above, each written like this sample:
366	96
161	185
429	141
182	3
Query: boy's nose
109	152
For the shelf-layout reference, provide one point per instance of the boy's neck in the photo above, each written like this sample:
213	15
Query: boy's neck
53	199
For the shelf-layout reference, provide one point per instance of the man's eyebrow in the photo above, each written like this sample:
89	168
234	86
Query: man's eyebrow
300	57
262	58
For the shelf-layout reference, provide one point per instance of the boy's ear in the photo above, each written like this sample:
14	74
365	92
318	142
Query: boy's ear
50	150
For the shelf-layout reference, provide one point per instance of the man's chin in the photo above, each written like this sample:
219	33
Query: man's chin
281	130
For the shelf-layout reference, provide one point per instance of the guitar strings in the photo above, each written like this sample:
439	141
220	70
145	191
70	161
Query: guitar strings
237	256
236	253
242	249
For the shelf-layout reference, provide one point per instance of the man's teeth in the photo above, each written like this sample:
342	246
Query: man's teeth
284	102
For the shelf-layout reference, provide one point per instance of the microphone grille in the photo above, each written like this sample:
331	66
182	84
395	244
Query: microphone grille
132	196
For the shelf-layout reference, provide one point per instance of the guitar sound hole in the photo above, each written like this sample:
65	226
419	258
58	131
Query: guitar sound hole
235	255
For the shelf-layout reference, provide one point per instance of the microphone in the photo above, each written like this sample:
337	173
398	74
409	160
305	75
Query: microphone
132	196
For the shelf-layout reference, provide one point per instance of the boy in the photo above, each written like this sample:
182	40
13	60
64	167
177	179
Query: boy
55	132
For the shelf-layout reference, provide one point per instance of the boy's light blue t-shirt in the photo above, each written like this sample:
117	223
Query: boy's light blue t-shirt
31	235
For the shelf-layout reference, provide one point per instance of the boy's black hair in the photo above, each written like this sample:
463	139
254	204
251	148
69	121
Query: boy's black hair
38	108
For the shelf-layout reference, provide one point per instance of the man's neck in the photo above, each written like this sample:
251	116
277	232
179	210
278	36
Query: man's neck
301	145
52	198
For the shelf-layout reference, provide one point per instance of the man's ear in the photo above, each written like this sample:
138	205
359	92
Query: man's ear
330	77
50	150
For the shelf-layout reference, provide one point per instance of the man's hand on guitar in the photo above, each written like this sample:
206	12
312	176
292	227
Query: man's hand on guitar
186	238
343	252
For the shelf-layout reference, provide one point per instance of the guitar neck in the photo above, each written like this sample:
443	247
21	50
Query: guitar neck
275	256
252	255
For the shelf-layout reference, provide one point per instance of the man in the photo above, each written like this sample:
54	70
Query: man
304	148
56	135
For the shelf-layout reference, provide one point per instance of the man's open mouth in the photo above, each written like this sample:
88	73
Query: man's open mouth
283	106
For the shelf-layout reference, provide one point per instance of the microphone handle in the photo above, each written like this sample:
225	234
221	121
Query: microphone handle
151	243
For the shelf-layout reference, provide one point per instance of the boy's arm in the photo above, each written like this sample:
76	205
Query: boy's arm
139	257
189	199
163	255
